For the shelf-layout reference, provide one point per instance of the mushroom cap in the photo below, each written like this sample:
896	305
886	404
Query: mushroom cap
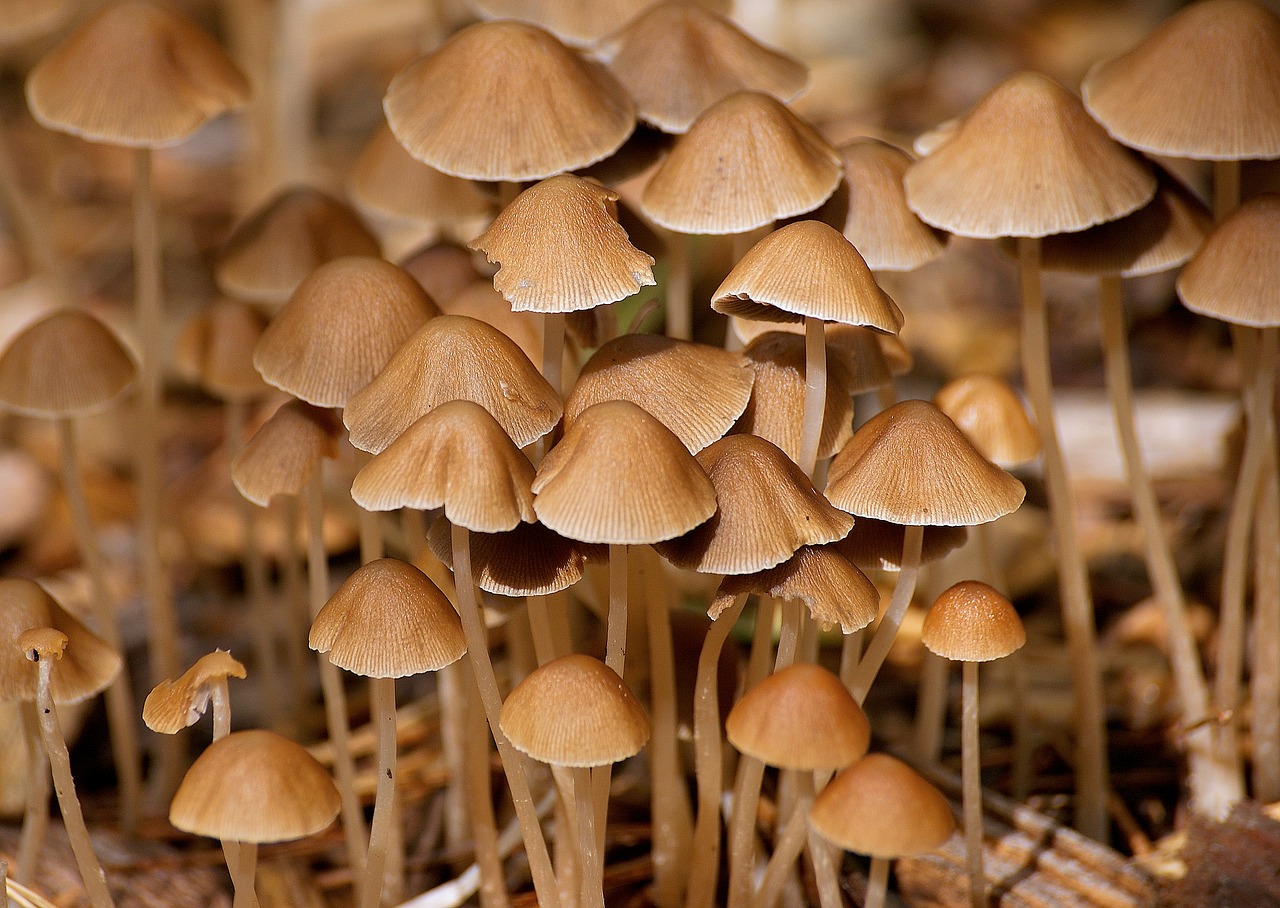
574	711
480	301
507	101
575	23
215	350
283	455
1027	160
1234	275
1205	84
829	585
883	808
561	249
339	328
876	545
801	717
255	786
992	417
971	622
388	620
621	477
910	465
747	161
529	560
42	643
453	357
67	364
887	233
174	705
137	75
695	390
860	351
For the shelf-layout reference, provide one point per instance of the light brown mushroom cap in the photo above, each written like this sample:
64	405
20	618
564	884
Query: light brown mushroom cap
766	509
67	364
215	350
678	59
876	545
910	465
42	643
339	328
23	20
801	717
255	786
861	351
696	391
282	456
137	75
747	161
507	101
574	711
621	477
458	458
883	808
575	23
530	560
388	620
174	705
1234	275
480	301
1205	84
276	246
992	417
561	249
971	622
1027	161
90	664
887	233
453	357
824	581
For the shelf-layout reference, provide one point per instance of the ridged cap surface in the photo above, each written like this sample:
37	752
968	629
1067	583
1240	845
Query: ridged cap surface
887	233
876	545
67	364
829	585
282	456
174	705
387	180
992	417
530	560
971	622
1235	276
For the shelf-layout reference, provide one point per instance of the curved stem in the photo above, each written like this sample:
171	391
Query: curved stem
971	768
35	821
786	848
382	700
815	392
877	883
243	871
887	630
742	827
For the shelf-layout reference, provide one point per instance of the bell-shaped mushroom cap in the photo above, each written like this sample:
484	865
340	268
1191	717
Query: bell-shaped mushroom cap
388	620
1027	161
174	705
887	233
747	161
677	59
90	664
574	711
255	786
883	808
621	477
1205	84
911	465
276	247
215	350
137	75
530	560
22	20
480	301
876	545
340	328
282	456
575	23
561	249
453	357
971	622
507	101
829	585
861	351
992	417
766	509
696	391
801	717
1234	275
67	364
806	269
458	458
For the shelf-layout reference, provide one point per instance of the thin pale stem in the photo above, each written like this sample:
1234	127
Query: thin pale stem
544	640
297	613
1226	188
903	590
815	392
372	544
293	107
32	227
243	871
35	821
616	643
786	848
474	777
590	859
877	883
761	656
382	700
679	287
553	349
742	828
971	771
823	855
850	653
454	717
789	635
931	707
1265	679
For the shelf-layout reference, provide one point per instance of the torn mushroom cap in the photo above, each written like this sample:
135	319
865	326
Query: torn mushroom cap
283	455
1234	275
174	705
971	622
42	643
529	560
887	233
992	417
67	364
215	350
820	578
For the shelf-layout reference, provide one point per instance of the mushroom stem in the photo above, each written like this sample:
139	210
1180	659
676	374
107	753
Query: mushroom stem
971	771
121	707
544	642
455	691
297	621
1265	678
31	227
882	640
761	655
850	654
370	522
824	856
787	847
35	821
243	872
1091	782
815	392
553	349
292	105
877	883
220	699
479	800
931	708
742	827
590	857
616	642
789	635
1226	188
679	287
382	699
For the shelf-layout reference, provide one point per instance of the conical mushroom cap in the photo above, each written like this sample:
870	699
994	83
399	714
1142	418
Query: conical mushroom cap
255	786
507	101
458	458
1205	84
174	705
881	807
340	328
678	59
861	351
992	417
480	301
575	23
282	456
801	717
530	560
696	391
806	270
88	667
574	711
135	75
67	364
829	585
911	465
1027	161
747	161
215	350
561	249
971	622
388	620
277	246
1234	275
621	477
876	545
887	233
766	509
453	357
